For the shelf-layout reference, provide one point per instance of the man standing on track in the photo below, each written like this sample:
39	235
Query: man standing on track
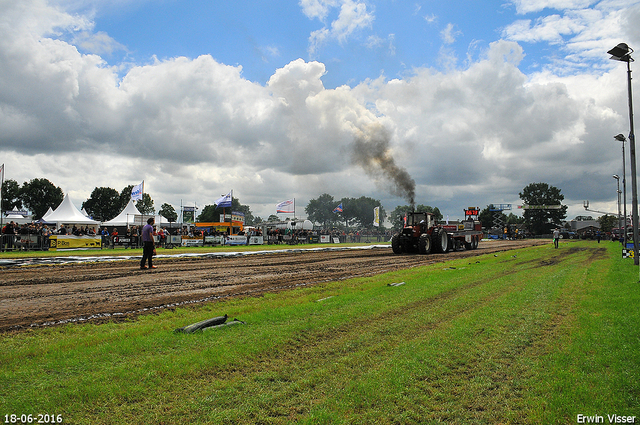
148	245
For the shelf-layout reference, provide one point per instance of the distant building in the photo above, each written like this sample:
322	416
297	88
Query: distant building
578	225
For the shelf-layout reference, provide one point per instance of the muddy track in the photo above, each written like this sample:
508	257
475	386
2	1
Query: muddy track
35	296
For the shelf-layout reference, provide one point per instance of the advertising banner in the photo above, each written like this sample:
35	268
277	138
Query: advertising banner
256	240
192	241
59	242
214	240
126	241
27	241
234	216
236	240
325	238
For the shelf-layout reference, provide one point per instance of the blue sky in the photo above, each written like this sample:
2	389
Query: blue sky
265	35
473	99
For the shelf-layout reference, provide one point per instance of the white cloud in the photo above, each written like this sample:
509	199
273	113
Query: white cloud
97	43
431	18
353	16
195	128
448	34
579	36
318	8
528	6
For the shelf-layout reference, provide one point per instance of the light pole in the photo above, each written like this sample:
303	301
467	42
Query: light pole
617	177
623	139
622	53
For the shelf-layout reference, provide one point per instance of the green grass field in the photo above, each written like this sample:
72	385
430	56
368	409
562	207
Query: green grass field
534	336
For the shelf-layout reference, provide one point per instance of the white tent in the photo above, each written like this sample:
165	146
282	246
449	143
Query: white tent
67	213
126	217
47	214
16	216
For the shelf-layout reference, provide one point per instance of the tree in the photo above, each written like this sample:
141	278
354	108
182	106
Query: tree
273	218
514	219
125	196
103	204
321	210
538	220
40	194
359	212
11	195
245	209
608	222
211	213
144	205
168	212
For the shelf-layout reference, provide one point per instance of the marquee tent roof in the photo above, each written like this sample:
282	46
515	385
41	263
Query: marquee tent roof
14	213
126	217
67	213
47	214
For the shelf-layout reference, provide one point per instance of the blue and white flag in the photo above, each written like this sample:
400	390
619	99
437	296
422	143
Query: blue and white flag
338	208
225	201
285	206
136	192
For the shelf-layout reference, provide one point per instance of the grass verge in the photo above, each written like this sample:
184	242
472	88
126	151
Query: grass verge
537	335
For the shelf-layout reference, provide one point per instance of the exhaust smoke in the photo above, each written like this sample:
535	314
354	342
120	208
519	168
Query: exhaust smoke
371	151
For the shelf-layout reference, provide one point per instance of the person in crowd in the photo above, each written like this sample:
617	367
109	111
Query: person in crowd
148	245
105	237
62	230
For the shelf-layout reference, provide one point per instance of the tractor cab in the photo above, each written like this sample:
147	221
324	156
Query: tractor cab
416	223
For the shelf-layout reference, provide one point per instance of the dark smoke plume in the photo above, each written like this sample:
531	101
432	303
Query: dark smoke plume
371	151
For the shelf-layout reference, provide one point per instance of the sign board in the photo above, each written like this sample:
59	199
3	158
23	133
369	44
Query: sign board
234	216
235	240
256	240
540	207
59	242
214	240
192	241
325	238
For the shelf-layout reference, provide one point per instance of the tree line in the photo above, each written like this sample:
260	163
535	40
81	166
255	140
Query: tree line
105	203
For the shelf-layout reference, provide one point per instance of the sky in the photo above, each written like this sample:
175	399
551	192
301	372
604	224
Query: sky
456	104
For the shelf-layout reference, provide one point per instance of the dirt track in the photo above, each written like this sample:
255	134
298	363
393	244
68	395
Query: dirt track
50	295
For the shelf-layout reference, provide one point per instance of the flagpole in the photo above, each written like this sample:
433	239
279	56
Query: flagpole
294	208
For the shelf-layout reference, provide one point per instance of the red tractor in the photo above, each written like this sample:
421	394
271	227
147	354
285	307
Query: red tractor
421	234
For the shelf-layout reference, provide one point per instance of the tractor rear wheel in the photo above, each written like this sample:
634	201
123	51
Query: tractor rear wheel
440	240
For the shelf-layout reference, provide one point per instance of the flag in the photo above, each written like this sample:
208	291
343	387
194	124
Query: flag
376	216
225	201
285	206
136	192
338	208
